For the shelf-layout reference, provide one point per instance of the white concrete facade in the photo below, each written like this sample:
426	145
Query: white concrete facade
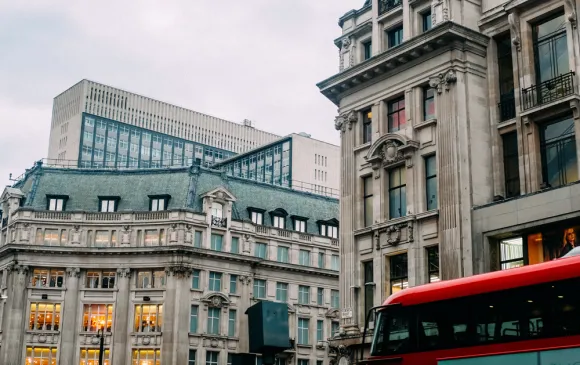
427	74
126	107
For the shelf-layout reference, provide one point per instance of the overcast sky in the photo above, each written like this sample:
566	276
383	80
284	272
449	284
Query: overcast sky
250	59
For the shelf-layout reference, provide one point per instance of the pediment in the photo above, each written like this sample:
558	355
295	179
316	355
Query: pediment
220	194
10	192
216	300
391	148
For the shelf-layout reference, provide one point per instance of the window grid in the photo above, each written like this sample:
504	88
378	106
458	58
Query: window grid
282	292
213	321
215	281
431	182
396	114
397	193
433	263
148	317
303	294
259	288
303	329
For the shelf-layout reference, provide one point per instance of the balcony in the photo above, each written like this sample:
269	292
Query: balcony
548	91
388	5
507	106
218	221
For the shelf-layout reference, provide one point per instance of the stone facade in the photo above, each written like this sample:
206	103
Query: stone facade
161	283
422	80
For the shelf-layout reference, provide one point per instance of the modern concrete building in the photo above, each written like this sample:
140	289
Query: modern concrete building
458	147
297	161
166	261
104	101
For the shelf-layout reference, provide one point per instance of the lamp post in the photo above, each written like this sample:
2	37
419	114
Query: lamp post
101	334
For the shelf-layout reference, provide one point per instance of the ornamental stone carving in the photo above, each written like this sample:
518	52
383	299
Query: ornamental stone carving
180	271
394	235
391	149
346	53
25	233
215	300
126	235
571	12
124	272
75	235
443	80
244	279
73	272
173	233
514	22
20	269
188	234
247	243
345	120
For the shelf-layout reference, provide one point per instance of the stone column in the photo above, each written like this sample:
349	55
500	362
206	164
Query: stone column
169	332
122	314
14	316
349	277
243	305
181	276
69	326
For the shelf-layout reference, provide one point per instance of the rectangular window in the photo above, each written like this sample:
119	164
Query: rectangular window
197	239
511	164
41	355
397	193
96	317
89	356
232	323
558	150
47	278
279	222
158	204
321	259
56	204
367	125
431	182
320	296
507	104
303	294
300	225
215	281
399	272
212	358
511	253
433	263
260	250
216	242
334	299
427	22
319	330
191	357
107	205
150	279
213	321
259	289
368	200
149	357
335	262
303	330
332	231
367	50
233	284
257	218
283	254
369	285
148	317
100	279
194	319
195	278
235	248
395	36
282	292
44	317
102	238
396	114
428	103
51	237
551	49
303	362
151	237
334	327
304	258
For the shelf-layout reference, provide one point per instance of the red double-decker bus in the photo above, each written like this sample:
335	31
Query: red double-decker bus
528	315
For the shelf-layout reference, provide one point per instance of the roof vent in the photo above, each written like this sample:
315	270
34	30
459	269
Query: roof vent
248	123
304	134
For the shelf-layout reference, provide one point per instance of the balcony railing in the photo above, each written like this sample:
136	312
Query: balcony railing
548	91
507	106
387	5
218	222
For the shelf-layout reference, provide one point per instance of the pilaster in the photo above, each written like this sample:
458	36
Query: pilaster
70	327
14	315
243	305
121	320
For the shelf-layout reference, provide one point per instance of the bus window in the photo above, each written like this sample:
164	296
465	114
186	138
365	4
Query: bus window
392	333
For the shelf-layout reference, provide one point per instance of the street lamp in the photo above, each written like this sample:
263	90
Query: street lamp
101	335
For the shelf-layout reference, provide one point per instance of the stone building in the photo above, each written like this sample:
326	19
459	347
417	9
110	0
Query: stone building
457	123
165	262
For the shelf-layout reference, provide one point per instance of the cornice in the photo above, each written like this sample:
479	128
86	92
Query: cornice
352	13
444	35
361	28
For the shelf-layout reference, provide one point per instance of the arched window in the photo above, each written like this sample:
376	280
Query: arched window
216	210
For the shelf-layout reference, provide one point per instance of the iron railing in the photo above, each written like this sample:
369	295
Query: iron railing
388	5
548	91
218	222
507	106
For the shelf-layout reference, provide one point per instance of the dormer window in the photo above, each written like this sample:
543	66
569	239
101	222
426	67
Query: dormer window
56	203
329	228
108	204
158	202
256	215
217	210
300	223
279	218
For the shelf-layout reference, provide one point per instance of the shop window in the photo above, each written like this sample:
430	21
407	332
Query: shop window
41	355
90	356
511	253
149	357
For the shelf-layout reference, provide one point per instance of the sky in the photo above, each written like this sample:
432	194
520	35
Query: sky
251	59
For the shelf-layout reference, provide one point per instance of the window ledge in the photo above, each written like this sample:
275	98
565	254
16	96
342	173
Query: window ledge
428	214
304	346
506	123
43	332
235	295
101	289
362	147
196	290
47	288
426	123
527	115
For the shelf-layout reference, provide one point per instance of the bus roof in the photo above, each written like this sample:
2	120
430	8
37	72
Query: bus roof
560	269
